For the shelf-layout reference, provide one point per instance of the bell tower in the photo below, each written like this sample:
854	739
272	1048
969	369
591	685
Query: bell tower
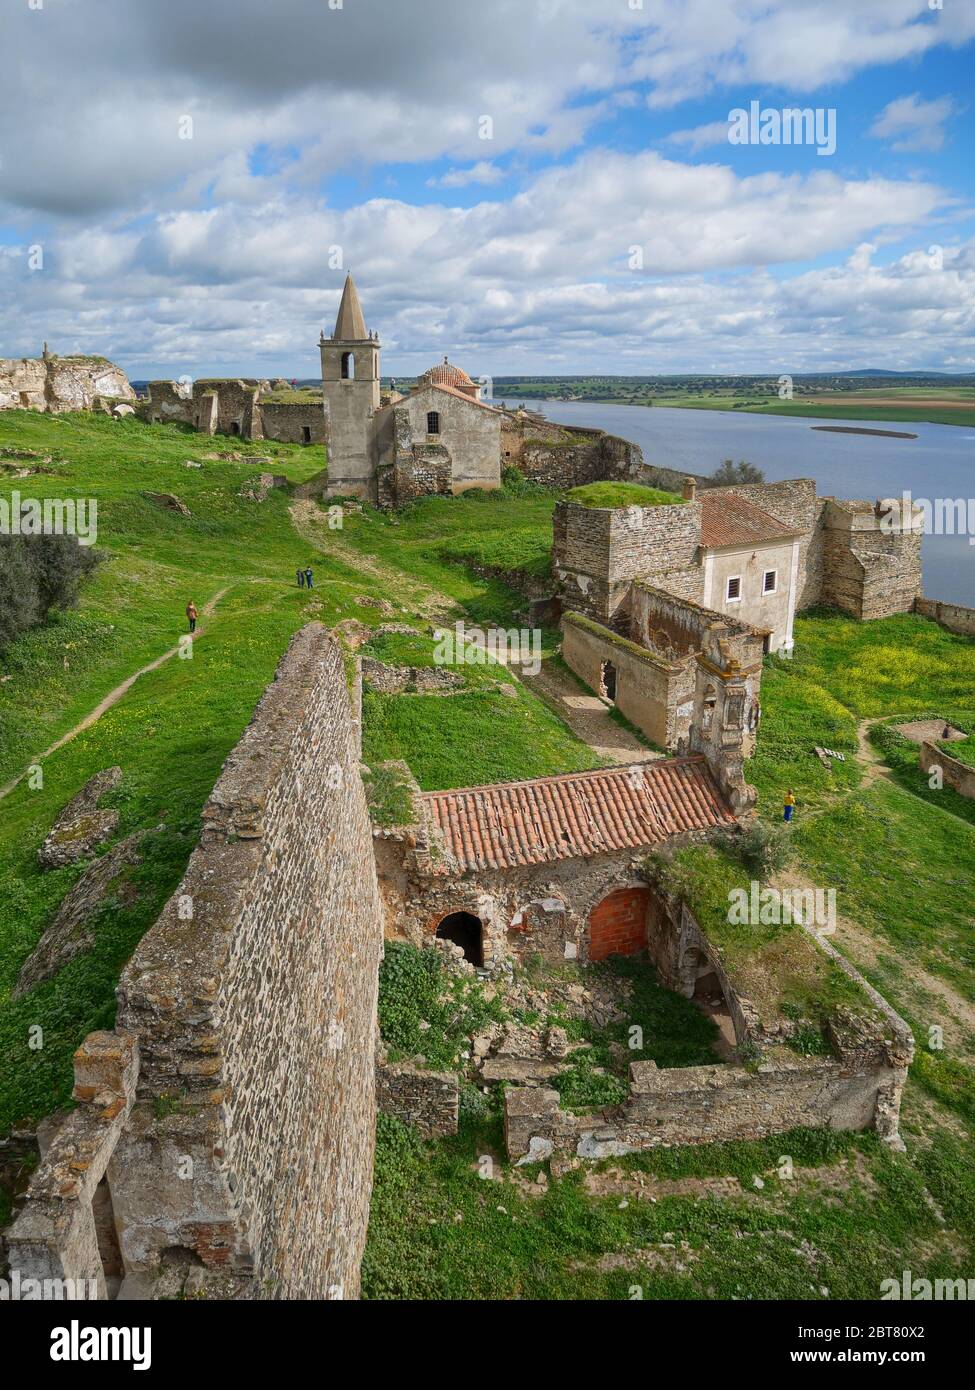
350	381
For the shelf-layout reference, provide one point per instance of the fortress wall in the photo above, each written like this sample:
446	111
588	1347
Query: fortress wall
254	999
953	616
251	1006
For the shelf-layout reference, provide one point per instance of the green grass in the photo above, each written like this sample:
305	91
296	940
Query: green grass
900	665
172	730
425	1011
905	872
621	495
962	748
449	1222
437	538
472	738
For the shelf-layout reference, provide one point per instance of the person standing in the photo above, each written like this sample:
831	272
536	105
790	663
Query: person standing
308	578
789	805
301	578
192	615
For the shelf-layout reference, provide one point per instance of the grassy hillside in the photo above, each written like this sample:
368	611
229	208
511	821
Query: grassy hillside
901	856
172	730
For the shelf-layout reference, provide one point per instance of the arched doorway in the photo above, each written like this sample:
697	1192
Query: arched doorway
465	931
618	924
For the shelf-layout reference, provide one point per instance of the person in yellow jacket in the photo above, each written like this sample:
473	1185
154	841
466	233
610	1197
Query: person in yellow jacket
789	807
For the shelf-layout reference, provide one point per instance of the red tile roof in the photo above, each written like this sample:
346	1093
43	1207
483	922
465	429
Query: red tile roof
729	520
577	814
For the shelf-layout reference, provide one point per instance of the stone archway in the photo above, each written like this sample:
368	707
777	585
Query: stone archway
618	923
465	930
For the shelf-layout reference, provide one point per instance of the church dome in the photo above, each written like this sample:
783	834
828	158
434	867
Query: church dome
445	374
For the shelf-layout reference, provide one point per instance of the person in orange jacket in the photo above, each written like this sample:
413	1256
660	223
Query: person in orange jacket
192	615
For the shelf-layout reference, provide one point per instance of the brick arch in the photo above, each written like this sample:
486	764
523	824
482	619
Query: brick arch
618	923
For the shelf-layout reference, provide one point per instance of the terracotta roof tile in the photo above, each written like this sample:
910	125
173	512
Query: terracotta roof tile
575	815
729	520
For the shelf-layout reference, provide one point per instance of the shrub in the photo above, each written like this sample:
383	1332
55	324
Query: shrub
761	849
38	573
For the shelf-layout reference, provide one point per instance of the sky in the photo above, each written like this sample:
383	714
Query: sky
526	186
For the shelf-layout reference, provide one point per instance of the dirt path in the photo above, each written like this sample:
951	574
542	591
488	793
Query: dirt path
586	715
311	524
865	950
113	697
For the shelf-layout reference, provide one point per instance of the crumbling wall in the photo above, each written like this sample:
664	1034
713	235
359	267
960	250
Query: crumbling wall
300	422
252	1001
953	616
958	775
168	402
704	1105
427	1100
871	567
654	692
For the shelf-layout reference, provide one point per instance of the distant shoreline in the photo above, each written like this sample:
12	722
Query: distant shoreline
796	412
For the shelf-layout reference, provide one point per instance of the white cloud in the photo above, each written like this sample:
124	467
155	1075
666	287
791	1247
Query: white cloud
916	125
532	283
483	172
701	137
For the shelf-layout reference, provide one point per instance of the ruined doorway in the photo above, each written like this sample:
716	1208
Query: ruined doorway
618	924
306	434
234	427
607	680
465	931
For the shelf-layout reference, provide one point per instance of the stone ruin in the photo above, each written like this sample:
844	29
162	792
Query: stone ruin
54	384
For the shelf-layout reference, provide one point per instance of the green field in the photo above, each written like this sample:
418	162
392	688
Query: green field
901	856
906	400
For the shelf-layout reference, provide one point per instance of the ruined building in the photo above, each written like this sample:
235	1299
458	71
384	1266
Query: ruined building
248	407
51	383
669	610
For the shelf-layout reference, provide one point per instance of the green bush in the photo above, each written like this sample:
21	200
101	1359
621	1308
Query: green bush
38	573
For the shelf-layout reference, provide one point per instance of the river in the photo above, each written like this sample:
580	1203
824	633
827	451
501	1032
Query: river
939	463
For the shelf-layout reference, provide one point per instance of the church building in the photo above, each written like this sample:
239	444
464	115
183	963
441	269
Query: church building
440	438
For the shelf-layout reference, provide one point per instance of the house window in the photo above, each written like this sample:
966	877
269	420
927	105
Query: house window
771	582
734	588
433	422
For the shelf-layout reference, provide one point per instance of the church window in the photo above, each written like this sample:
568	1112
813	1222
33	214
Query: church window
348	366
433	422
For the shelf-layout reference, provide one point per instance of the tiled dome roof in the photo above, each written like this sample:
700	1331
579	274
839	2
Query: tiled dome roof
444	374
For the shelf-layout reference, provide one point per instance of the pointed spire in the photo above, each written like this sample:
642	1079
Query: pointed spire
350	326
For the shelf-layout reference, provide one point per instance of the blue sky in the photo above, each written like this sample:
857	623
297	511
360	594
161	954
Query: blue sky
183	188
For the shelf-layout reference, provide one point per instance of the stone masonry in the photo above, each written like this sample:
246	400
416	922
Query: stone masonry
252	1005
